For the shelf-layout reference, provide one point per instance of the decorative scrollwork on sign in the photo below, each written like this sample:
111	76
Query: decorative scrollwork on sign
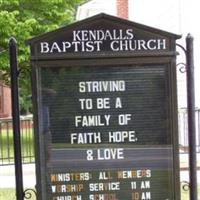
182	67
185	185
183	48
28	193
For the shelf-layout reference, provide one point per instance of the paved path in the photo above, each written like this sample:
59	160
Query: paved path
7	174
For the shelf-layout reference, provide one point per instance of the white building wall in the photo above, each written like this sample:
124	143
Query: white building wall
177	16
94	7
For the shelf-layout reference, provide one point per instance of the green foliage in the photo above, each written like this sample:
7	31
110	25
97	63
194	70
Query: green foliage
24	19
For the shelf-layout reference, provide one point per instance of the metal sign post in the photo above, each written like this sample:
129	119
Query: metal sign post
191	117
16	119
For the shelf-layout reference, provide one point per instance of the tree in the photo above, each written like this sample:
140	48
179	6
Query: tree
24	19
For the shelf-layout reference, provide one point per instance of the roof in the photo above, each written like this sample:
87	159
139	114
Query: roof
97	18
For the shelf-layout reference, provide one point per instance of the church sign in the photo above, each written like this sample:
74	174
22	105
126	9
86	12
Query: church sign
105	112
97	41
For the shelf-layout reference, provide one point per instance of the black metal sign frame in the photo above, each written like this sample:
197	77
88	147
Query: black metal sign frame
166	59
158	52
42	168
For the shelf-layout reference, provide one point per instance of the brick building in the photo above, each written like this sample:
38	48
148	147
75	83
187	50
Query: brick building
5	101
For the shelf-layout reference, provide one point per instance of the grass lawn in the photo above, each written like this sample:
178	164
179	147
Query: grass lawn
9	194
7	147
185	194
